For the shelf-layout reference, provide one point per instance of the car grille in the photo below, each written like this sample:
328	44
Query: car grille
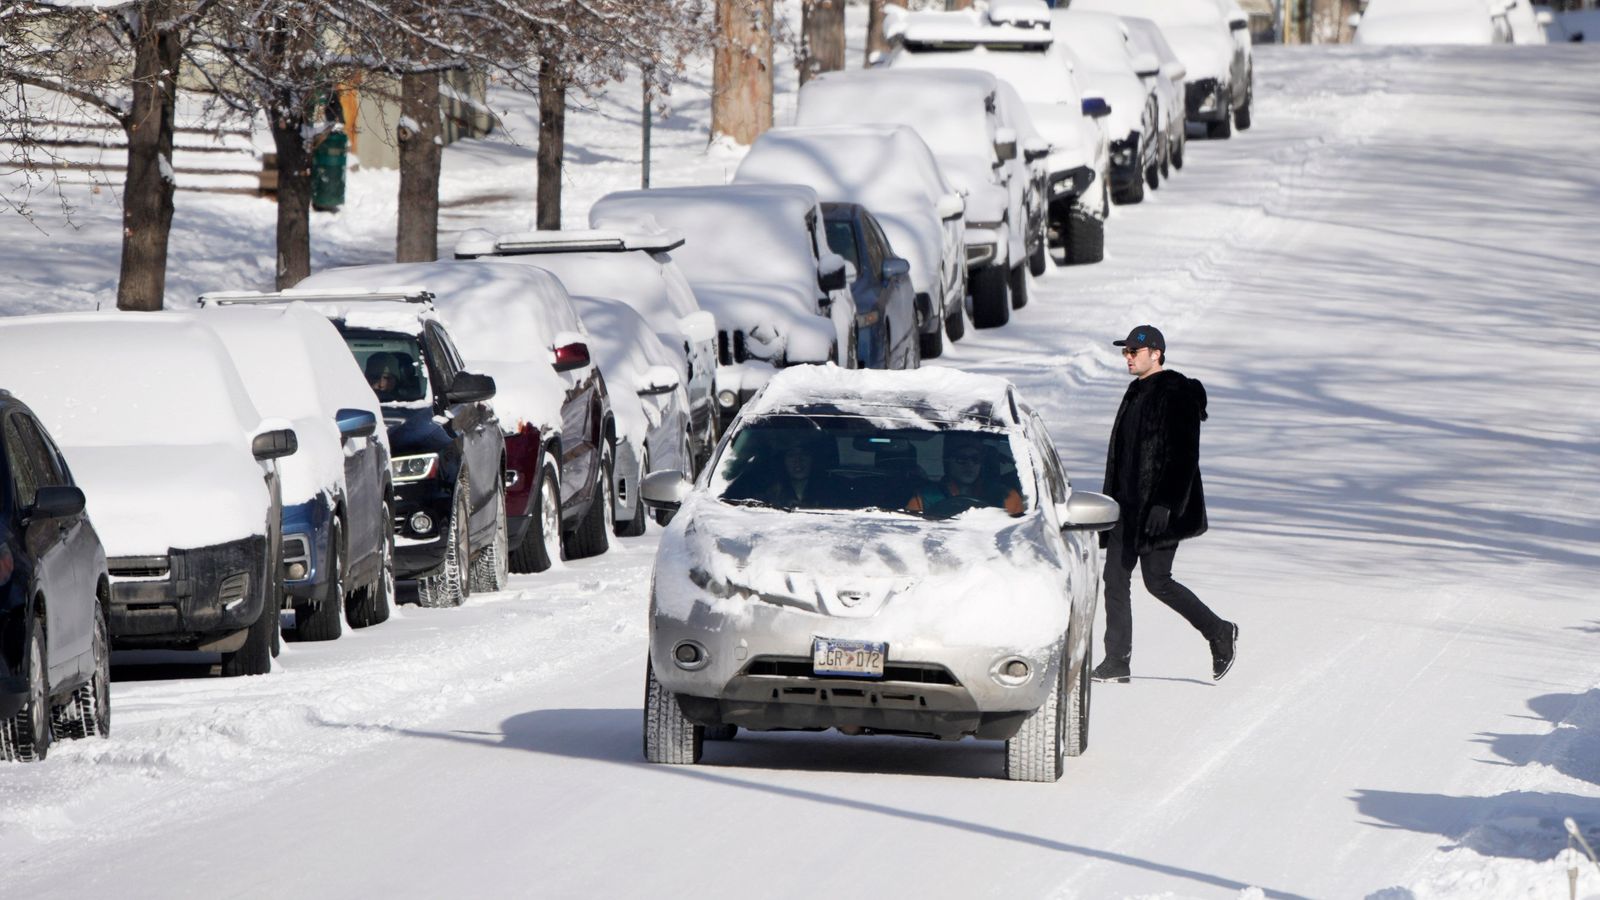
800	667
139	566
731	347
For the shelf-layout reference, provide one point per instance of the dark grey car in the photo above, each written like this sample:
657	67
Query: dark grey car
887	318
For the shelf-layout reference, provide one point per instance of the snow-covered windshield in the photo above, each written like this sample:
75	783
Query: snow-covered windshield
828	462
393	364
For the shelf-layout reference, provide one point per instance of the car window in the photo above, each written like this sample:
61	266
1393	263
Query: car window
842	240
46	462
1049	463
443	357
877	247
392	363
836	462
24	462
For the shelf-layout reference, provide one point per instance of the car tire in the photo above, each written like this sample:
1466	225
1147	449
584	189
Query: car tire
1036	753
540	547
451	587
490	571
635	526
1152	175
1039	259
991	305
88	712
1086	237
670	738
260	643
1018	285
1078	707
1133	193
324	621
593	535
25	737
955	324
1166	156
1219	131
371	604
1241	116
930	344
1177	155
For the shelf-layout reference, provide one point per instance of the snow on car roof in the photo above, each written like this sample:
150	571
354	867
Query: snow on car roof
934	394
504	317
1098	39
400	308
1013	28
1019	12
945	105
1167	13
480	243
735	232
882	167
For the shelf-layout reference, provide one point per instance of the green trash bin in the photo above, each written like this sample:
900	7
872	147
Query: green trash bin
327	172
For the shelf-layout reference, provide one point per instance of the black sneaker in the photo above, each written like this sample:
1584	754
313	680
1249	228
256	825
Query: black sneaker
1222	650
1114	670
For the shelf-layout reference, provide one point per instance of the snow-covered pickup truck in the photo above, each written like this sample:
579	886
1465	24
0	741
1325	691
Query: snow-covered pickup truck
877	552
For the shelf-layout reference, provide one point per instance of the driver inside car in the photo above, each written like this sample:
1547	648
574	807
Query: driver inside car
964	476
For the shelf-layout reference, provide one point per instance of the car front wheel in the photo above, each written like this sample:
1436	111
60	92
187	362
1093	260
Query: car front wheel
1037	751
669	735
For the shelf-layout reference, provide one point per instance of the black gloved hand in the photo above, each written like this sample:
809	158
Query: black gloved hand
1157	519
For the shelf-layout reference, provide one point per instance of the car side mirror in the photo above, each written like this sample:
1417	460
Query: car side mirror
895	267
356	423
1087	511
470	387
569	356
1238	24
657	380
1035	149
1145	65
950	206
834	278
1174	71
1096	107
55	501
1005	144
665	489
274	444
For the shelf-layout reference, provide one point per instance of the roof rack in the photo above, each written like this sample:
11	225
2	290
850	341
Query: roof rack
531	242
394	294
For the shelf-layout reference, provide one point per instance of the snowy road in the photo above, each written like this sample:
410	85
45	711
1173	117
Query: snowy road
1388	287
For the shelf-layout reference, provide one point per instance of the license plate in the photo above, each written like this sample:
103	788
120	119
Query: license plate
859	659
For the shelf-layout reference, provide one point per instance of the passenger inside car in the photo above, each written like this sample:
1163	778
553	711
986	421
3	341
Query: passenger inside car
972	478
383	375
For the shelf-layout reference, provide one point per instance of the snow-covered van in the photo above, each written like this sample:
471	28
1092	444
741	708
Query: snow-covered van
179	469
877	552
758	259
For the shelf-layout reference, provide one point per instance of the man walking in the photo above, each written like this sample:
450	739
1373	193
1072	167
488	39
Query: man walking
1153	472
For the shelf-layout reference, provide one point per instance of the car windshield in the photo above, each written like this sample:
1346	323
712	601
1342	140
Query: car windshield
393	364
826	462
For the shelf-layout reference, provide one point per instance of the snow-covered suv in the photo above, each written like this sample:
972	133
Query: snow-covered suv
877	552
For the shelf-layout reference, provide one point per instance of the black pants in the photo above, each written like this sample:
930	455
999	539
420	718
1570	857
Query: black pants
1156	567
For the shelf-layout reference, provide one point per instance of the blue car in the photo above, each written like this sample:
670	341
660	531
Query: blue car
888	317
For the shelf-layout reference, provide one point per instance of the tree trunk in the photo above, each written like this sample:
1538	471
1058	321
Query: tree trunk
741	90
877	44
147	190
822	38
957	4
289	128
552	144
421	152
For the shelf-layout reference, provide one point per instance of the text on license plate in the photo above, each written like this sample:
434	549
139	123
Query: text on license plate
835	656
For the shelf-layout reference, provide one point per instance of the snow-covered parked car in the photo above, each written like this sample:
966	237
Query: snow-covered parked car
632	264
1220	86
889	170
516	324
1108	65
955	113
838	566
445	439
338	532
1168	80
757	258
1432	22
648	403
1013	41
179	469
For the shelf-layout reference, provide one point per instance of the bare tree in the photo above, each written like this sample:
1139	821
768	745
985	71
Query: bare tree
421	140
877	44
120	61
821	38
741	91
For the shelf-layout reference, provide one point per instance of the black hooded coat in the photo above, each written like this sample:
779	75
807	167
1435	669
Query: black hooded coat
1163	461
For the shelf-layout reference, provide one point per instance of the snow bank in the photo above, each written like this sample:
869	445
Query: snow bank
154	422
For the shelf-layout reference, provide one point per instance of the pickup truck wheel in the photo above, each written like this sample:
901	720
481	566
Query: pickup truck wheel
255	657
540	547
370	605
669	736
450	587
1036	752
593	536
991	305
25	737
490	571
323	622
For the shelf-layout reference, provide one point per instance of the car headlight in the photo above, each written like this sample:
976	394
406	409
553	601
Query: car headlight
414	468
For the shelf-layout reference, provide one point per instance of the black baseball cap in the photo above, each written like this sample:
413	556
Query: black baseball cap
1143	336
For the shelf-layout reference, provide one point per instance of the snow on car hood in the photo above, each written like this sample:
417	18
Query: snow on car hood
779	319
1064	127
1206	51
1126	94
146	500
983	576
